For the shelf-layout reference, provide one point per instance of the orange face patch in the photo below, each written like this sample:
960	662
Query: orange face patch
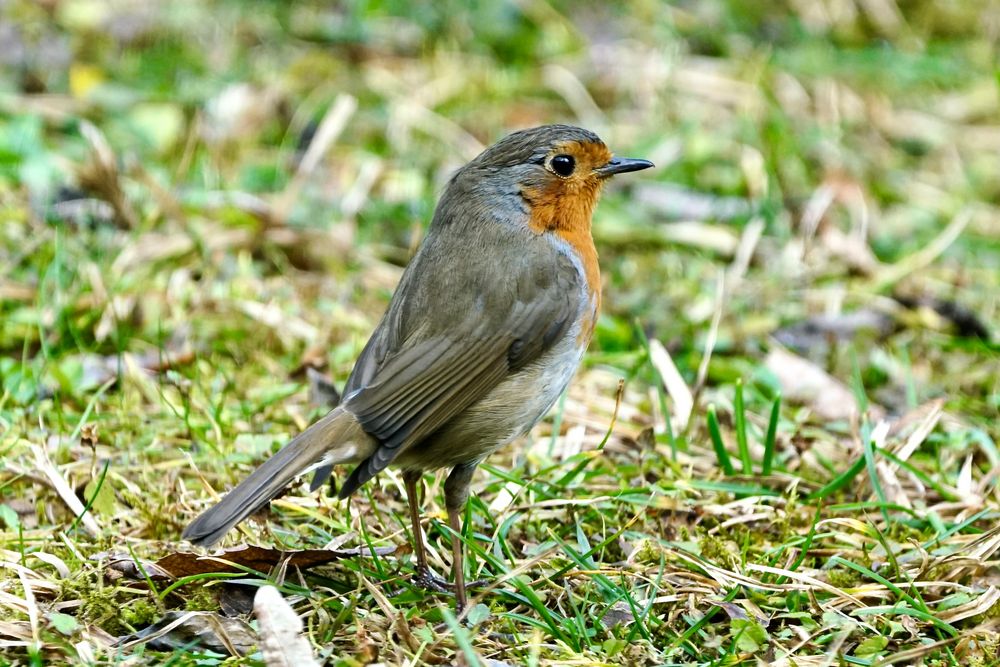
564	206
567	202
587	153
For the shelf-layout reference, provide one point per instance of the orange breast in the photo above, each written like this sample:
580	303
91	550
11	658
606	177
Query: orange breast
566	212
584	245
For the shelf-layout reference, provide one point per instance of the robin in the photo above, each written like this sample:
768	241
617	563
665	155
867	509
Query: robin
484	332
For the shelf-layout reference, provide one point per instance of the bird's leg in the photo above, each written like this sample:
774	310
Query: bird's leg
412	481
456	495
427	579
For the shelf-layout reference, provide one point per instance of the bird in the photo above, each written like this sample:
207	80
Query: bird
484	332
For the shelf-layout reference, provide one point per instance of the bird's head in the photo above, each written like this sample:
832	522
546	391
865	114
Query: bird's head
557	171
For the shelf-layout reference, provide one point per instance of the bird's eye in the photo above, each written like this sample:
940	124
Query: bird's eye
563	165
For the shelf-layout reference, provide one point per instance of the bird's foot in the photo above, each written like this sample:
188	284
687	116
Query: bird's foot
426	579
478	583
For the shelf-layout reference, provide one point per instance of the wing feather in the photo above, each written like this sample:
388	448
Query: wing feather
423	368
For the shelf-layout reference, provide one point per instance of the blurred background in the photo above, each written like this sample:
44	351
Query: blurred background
314	135
201	200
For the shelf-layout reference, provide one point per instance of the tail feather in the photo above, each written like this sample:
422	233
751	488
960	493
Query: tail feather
336	438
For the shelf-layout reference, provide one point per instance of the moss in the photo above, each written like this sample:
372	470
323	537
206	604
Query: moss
101	607
719	551
647	551
139	613
983	651
115	609
200	598
843	578
155	514
900	532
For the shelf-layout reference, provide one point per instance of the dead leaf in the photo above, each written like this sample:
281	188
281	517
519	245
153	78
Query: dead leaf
733	611
62	487
271	315
98	369
235	599
391	612
367	649
125	565
620	613
16	633
261	559
80	210
101	176
851	249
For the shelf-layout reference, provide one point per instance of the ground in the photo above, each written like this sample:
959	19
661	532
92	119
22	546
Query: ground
203	204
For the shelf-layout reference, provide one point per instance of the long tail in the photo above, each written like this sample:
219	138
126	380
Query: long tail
336	438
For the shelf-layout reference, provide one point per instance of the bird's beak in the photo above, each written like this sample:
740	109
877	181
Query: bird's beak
621	165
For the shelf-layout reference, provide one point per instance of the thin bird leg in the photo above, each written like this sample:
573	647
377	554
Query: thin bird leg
457	563
412	479
456	495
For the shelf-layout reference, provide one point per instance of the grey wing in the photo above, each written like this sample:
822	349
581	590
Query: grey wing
415	377
385	338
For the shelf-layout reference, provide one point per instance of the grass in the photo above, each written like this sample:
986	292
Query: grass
198	201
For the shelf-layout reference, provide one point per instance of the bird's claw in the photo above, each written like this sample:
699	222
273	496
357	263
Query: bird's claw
431	582
427	580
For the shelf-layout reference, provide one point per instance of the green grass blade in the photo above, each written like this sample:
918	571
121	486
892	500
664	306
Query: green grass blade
771	437
530	598
838	482
93	497
715	434
740	418
735	488
916	605
869	456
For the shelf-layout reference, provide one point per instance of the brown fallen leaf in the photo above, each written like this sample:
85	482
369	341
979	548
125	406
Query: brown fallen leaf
16	633
261	559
